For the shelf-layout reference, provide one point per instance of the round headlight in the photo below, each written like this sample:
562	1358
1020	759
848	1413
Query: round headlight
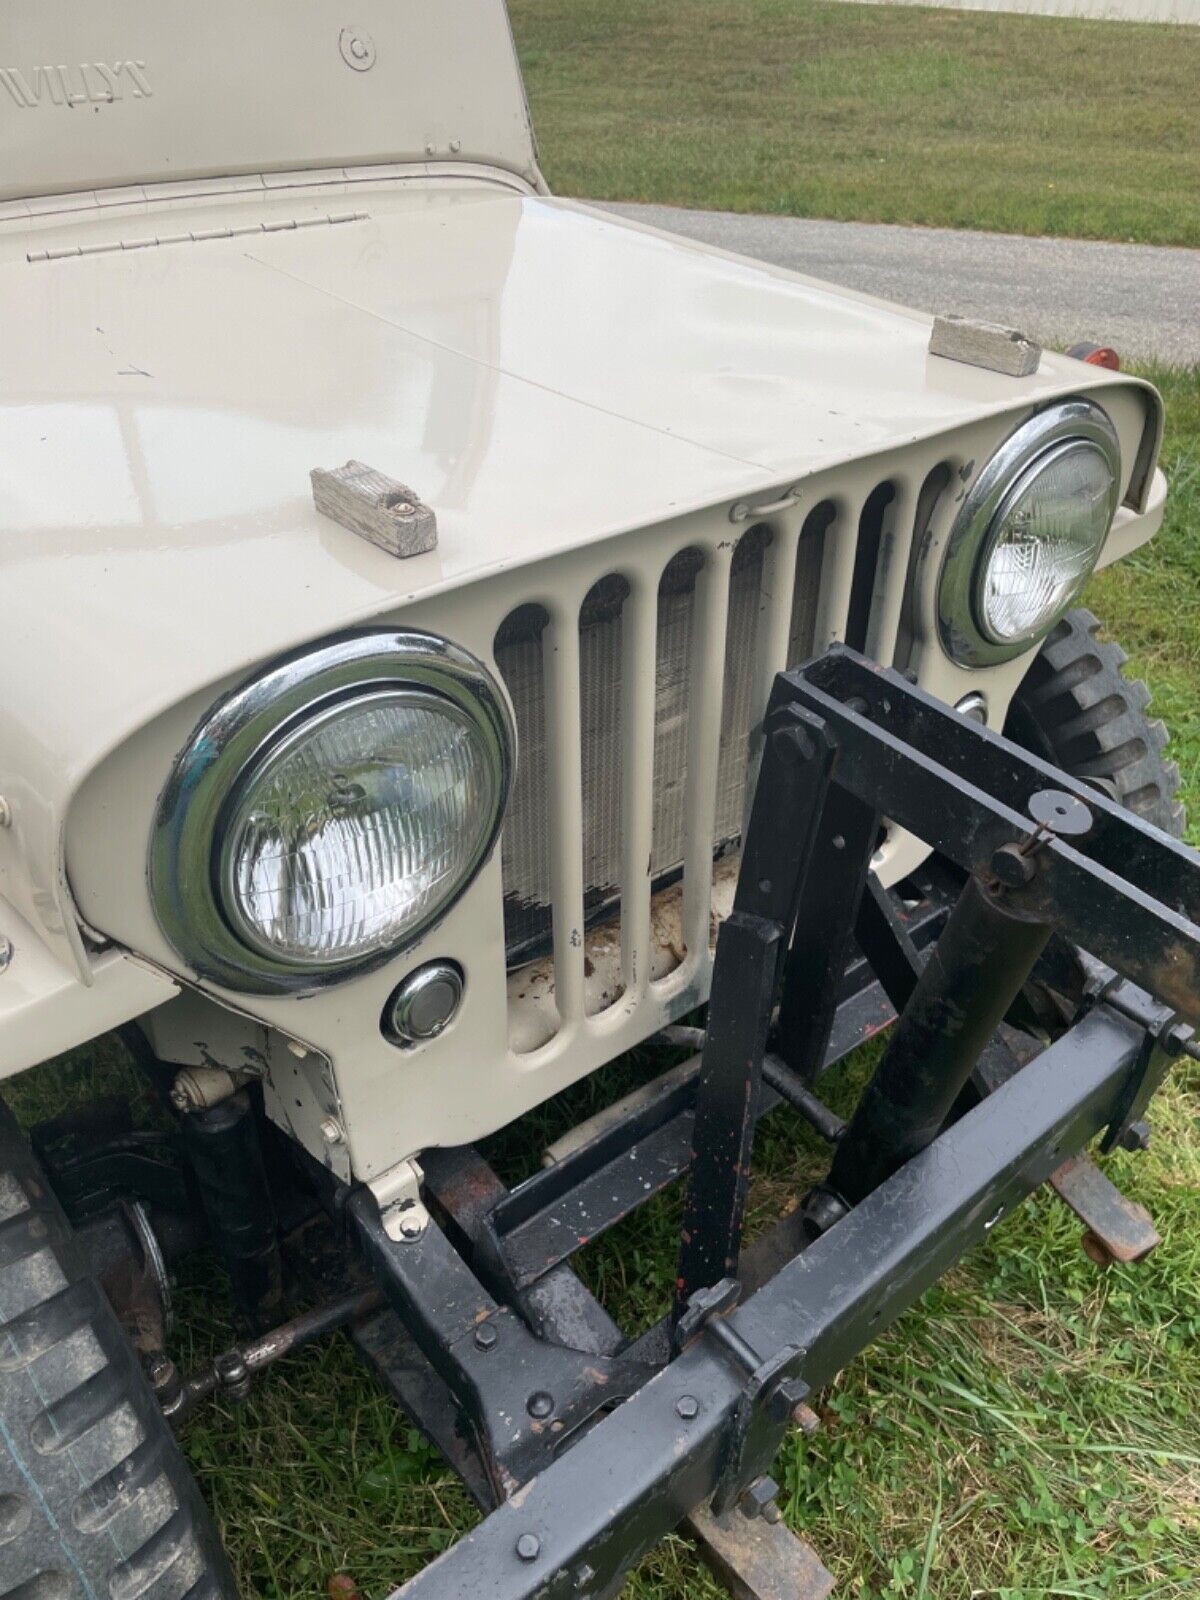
325	815
1029	534
349	831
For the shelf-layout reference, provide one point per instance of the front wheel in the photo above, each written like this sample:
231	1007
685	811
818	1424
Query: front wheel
96	1502
1076	708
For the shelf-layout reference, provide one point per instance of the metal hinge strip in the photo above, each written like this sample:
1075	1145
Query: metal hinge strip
197	236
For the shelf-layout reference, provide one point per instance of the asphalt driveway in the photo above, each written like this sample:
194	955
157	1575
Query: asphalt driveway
1144	300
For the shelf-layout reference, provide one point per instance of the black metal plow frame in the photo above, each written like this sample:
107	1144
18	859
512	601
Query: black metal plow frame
591	1447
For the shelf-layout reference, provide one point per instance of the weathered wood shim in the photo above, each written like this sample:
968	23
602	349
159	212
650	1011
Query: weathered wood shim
376	507
984	344
759	1560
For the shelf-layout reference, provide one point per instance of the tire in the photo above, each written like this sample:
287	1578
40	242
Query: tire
1076	708
96	1501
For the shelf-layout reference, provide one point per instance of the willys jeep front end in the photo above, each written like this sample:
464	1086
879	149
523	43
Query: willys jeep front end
452	637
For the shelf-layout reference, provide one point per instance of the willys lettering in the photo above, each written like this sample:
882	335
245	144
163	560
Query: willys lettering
89	83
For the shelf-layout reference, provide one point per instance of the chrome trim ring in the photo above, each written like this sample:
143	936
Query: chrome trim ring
186	843
424	1004
971	538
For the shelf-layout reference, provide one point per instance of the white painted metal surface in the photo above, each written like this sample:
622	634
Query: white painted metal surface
114	93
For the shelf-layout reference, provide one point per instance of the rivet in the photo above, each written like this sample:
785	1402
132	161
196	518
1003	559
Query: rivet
6	952
411	1226
5	813
456	145
687	1406
529	1547
540	1404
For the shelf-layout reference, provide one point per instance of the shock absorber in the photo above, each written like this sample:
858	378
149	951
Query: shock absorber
222	1146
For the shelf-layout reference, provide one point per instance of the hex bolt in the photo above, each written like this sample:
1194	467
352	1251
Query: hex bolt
5	813
1136	1136
687	1406
6	953
300	1051
485	1337
332	1131
584	1574
529	1547
540	1404
759	1500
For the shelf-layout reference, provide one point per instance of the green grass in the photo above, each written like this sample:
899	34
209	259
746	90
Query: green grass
874	113
1028	1431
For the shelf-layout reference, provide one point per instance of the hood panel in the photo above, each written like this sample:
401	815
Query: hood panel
781	371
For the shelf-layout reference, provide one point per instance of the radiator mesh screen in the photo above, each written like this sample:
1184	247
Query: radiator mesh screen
525	842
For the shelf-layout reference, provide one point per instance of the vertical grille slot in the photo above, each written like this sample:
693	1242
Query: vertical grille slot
936	482
674	652
639	700
706	691
806	585
565	771
525	839
871	523
672	705
602	762
742	644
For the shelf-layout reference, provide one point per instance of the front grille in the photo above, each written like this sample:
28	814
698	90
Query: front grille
637	709
519	647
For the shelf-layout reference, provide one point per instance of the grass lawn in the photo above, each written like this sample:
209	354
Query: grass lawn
1028	1430
875	113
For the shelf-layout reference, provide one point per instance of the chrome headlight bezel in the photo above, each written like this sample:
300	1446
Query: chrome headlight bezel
977	526
186	865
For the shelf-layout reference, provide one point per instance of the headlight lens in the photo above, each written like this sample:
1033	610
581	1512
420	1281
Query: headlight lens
1044	542
328	812
1029	533
348	832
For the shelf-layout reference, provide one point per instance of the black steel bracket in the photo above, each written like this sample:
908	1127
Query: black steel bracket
960	1121
848	741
